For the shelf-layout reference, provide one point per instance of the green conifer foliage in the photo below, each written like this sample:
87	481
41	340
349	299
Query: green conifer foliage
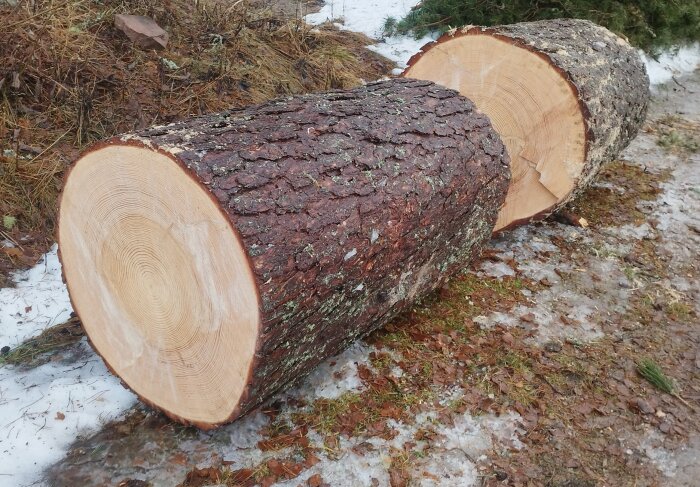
649	24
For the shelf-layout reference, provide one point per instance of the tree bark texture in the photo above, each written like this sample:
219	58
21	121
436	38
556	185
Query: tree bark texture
351	205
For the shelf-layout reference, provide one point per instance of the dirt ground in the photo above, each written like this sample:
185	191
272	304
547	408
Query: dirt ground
524	371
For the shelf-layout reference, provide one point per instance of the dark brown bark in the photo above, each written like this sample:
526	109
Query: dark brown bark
605	71
351	205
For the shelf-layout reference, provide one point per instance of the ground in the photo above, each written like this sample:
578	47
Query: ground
522	371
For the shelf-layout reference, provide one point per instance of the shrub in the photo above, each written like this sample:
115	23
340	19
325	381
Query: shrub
650	25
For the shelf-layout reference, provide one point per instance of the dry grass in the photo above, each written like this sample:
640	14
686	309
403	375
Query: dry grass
618	203
69	78
677	135
38	350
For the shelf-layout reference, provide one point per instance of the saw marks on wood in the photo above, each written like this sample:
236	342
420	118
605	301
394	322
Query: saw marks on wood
160	280
531	105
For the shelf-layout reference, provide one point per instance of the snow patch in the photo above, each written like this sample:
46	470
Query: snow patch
636	232
368	17
659	456
474	436
496	269
246	433
38	300
672	63
44	409
545	315
540	260
336	376
450	461
400	49
449	469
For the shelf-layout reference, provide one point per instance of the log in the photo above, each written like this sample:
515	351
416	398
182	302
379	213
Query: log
565	95
215	260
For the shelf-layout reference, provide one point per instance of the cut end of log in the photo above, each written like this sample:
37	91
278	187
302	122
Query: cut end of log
531	104
161	281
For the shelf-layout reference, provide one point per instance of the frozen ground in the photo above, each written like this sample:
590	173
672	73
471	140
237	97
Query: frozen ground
62	406
43	410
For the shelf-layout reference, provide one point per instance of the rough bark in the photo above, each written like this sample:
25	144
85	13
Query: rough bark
351	205
605	71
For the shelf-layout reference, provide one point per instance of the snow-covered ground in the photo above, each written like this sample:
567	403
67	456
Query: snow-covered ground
368	17
449	457
44	409
672	63
38	301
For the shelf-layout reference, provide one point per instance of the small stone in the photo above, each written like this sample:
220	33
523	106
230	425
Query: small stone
643	406
5	350
660	413
552	346
350	254
143	31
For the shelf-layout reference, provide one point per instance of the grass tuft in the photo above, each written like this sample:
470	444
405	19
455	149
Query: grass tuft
36	351
648	369
677	141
